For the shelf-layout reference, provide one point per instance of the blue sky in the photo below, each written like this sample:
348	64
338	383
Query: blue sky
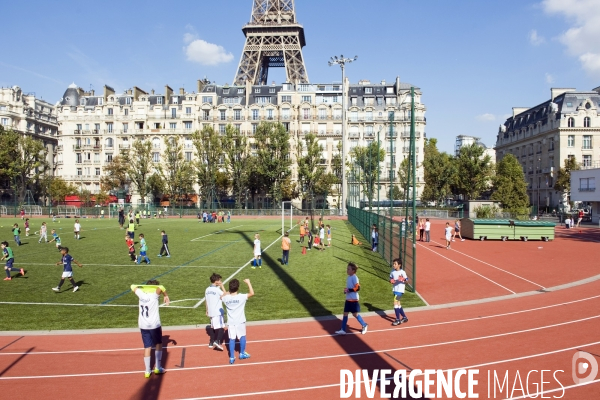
474	60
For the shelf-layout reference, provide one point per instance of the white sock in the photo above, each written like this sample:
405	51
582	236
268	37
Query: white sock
147	363
158	358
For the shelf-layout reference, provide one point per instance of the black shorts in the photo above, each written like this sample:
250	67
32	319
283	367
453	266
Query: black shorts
351	307
151	337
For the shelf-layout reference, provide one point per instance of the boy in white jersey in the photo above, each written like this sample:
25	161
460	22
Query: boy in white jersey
236	317
398	279
257	262
76	229
214	310
448	232
43	233
351	305
149	322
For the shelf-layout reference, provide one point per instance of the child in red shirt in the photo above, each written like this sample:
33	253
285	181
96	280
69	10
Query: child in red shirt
131	247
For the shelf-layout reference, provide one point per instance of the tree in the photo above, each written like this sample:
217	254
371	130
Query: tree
156	185
85	198
474	171
208	159
140	166
115	174
22	160
310	170
397	194
368	160
563	178
439	173
336	171
176	173
59	189
273	159
101	198
237	162
510	187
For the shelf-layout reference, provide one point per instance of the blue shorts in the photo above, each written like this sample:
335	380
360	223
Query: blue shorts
9	262
142	253
151	337
398	295
351	307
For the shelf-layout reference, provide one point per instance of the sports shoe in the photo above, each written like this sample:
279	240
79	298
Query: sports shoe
56	289
244	356
22	272
76	288
364	329
218	347
231	360
340	332
211	345
453	240
168	256
462	240
147	374
159	255
396	322
160	370
253	267
404	320
8	279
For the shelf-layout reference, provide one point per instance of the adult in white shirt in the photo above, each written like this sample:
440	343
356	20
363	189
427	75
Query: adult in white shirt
235	303
149	321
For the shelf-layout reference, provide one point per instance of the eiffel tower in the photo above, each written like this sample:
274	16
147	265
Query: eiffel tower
273	39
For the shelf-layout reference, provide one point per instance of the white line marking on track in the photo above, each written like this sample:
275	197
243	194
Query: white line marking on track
215	233
468	269
318	336
493	266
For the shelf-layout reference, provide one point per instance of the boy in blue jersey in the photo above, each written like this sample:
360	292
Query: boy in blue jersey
55	238
10	259
66	261
351	305
165	245
398	279
214	311
143	250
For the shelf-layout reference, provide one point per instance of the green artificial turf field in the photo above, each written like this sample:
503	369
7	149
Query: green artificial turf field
311	285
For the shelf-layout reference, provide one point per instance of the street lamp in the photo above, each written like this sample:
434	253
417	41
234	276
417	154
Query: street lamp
341	61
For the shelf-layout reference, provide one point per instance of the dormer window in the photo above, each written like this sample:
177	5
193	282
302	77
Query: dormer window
159	100
225	91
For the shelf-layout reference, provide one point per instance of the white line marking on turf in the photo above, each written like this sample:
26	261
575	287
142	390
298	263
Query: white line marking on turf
493	266
468	269
68	304
351	355
241	268
214	233
324	336
140	266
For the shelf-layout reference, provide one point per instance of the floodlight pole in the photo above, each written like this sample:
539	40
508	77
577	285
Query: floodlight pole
341	61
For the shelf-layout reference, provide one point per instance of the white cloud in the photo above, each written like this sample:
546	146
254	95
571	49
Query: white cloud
549	78
486	117
581	39
535	39
202	52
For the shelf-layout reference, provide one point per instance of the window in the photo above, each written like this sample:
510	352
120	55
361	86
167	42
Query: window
207	99
172	125
263	99
257	90
551	144
255	115
586	122
126	112
97	171
127	100
587	142
156	157
380	101
173	113
306	99
571	141
240	91
109	157
5	121
156	143
369	130
587	184
269	114
390	101
100	101
159	100
187	124
109	142
285	113
78	158
97	127
322	113
125	127
369	115
222	115
188	156
188	110
109	127
175	100
286	99
205	115
254	128
306	113
222	129
271	90
368	90
586	160
79	172
353	116
571	122
110	111
237	114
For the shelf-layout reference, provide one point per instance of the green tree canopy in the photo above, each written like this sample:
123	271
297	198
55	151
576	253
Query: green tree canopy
237	162
310	169
563	178
510	187
474	171
273	160
176	173
209	157
439	173
139	162
368	159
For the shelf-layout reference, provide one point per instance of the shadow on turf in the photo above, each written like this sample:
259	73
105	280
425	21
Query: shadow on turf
70	289
151	389
379	312
351	343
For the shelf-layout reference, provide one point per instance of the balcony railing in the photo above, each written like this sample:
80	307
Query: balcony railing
589	189
124	146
